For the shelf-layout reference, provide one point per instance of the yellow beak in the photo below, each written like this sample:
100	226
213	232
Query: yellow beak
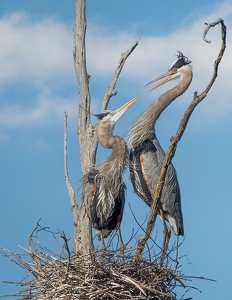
170	74
128	104
121	110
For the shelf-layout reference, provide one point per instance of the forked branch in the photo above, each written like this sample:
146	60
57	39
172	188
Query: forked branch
172	149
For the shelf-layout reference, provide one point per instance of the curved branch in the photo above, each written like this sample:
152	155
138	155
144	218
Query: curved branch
209	26
172	149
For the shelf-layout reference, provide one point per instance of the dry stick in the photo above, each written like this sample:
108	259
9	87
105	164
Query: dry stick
110	91
146	233
30	238
68	184
63	236
171	150
209	26
129	280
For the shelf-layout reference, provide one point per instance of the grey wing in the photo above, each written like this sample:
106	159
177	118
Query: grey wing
142	162
151	168
171	201
170	198
87	194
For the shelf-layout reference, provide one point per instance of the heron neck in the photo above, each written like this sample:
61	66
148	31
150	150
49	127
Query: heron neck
117	144
144	127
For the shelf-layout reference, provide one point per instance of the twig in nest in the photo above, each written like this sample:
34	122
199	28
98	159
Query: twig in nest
78	278
63	236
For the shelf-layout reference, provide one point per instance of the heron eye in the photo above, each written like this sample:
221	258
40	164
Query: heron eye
111	114
175	70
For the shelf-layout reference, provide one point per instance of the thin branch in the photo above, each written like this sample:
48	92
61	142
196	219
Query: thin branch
110	91
172	149
199	277
63	236
208	27
30	238
140	226
68	184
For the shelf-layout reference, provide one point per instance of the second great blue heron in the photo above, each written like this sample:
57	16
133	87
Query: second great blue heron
104	183
146	154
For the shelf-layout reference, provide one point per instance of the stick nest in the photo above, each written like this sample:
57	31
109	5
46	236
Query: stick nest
109	274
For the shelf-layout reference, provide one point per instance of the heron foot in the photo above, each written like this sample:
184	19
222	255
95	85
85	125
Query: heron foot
103	243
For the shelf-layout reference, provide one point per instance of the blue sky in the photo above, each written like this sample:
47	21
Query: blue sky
38	83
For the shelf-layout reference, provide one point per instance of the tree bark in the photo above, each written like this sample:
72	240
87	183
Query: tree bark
83	242
87	140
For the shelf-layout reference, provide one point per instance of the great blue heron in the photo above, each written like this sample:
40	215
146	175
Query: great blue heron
146	155
104	183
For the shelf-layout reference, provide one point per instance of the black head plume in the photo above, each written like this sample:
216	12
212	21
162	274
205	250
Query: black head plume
102	114
181	61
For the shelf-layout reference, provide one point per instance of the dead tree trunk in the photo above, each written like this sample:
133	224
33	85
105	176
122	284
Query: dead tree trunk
83	242
87	139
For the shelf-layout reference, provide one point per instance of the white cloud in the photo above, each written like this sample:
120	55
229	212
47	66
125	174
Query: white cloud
42	51
34	50
153	56
46	111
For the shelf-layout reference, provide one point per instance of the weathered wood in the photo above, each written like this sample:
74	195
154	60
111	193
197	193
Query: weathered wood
87	138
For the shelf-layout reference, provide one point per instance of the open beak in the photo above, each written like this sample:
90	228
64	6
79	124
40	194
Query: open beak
119	112
170	74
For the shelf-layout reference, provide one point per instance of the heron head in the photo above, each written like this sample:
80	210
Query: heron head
176	70
111	116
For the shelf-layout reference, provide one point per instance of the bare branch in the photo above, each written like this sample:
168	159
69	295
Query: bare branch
129	280
68	184
63	236
110	91
71	192
172	149
208	27
30	238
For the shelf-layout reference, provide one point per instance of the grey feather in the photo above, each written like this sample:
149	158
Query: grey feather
103	185
146	154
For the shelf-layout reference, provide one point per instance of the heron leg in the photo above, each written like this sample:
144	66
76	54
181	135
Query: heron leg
120	235
167	235
102	239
